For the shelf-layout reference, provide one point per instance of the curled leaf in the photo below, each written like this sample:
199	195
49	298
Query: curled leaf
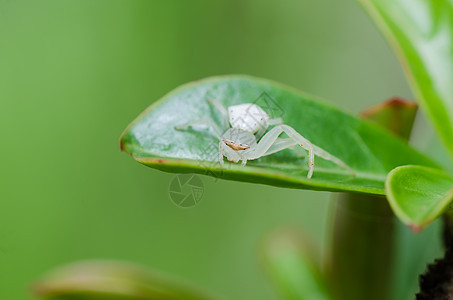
418	195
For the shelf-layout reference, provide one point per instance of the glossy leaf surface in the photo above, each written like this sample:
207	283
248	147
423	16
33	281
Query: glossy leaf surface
418	195
421	32
368	150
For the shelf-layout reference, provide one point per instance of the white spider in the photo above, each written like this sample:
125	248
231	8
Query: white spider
248	124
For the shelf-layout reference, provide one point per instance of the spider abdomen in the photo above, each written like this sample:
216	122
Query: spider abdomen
248	117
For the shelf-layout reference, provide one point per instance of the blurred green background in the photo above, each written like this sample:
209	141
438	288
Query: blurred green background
74	73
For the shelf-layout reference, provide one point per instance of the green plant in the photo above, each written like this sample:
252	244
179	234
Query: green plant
418	189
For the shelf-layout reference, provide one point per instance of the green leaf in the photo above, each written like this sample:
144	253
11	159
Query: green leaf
290	263
108	280
421	32
418	195
368	150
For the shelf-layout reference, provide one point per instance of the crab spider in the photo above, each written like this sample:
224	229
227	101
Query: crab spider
246	138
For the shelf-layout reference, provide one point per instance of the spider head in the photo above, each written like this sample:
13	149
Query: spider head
235	146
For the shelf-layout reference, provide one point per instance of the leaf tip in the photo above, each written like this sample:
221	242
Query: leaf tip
394	102
416	228
397	101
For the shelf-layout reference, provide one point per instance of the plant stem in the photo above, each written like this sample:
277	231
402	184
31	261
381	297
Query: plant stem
363	230
362	247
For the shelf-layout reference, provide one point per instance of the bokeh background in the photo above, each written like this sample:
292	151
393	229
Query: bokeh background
73	74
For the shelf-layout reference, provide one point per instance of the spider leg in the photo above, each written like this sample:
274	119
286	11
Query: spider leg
276	121
271	137
263	129
280	144
207	122
327	156
220	154
261	132
295	138
223	112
